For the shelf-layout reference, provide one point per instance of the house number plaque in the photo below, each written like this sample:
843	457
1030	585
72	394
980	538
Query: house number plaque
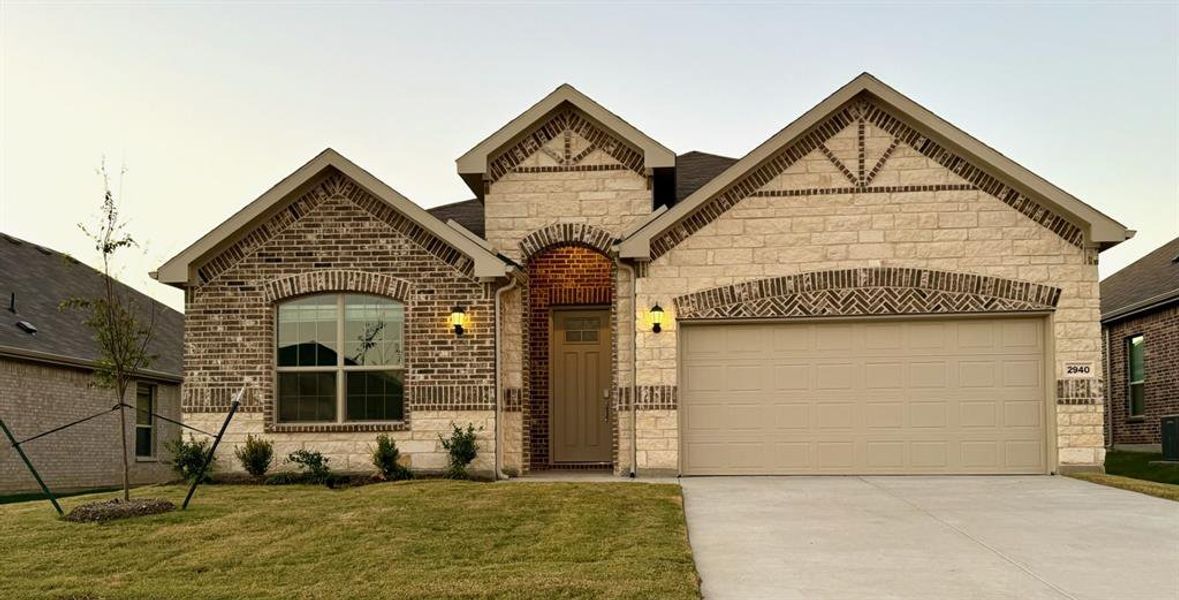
1078	370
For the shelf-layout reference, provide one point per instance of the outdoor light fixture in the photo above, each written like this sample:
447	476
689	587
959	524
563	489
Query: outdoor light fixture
458	318
656	318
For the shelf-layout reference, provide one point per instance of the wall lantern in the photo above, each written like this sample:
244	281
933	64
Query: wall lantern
458	318
656	318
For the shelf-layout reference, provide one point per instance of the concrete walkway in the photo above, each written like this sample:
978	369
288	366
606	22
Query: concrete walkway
930	537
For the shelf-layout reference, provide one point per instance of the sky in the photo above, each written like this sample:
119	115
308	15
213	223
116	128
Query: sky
207	105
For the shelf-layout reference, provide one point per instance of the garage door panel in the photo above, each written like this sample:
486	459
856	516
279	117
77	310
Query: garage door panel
945	396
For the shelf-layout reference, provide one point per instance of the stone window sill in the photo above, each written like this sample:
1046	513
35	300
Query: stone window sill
337	427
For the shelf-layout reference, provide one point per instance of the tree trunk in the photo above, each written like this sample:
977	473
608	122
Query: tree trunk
126	462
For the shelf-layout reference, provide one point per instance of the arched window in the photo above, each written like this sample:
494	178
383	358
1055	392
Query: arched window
341	358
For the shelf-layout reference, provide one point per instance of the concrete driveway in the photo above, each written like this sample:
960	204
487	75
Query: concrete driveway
930	537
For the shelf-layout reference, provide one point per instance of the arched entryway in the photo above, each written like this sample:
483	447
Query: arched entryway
570	343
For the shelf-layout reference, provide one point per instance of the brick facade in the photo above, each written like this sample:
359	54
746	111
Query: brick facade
338	238
39	397
559	276
1160	336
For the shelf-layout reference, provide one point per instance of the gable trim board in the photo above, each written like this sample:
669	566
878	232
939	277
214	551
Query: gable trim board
867	99
483	162
182	269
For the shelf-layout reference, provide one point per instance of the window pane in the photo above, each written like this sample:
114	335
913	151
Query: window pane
307	332
375	396
143	441
1137	363
306	397
373	330
1137	400
143	405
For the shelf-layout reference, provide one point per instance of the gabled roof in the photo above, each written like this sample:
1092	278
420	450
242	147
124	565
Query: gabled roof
694	169
1100	228
473	165
181	270
36	280
1148	282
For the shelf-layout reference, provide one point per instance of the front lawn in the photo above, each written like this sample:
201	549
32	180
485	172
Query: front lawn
430	539
1137	465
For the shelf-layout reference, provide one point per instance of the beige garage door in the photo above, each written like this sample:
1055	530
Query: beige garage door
860	397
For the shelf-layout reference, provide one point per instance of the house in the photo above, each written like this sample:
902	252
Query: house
1140	325
871	290
47	356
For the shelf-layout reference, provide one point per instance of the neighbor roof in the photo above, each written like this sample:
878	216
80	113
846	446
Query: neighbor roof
1101	229
1148	282
37	280
473	165
181	270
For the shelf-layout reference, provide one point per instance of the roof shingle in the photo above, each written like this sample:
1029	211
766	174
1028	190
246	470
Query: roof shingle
1152	279
41	279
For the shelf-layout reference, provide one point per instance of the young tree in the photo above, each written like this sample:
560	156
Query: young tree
114	316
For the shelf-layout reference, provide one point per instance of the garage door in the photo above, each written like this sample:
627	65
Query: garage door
860	397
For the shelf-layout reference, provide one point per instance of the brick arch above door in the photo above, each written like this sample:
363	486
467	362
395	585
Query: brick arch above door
866	292
336	280
558	234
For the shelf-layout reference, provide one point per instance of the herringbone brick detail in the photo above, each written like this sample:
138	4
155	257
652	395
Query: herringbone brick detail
566	119
869	291
581	234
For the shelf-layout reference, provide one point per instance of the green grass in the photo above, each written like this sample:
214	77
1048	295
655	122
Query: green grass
1133	471
1137	465
31	496
429	539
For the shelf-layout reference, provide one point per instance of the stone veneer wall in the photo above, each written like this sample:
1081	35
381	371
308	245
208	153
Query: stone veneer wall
567	183
1160	336
865	198
335	237
38	397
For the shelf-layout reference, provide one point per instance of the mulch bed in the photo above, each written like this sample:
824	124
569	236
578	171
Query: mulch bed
109	510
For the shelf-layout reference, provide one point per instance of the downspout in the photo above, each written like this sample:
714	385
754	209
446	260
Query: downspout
499	400
634	369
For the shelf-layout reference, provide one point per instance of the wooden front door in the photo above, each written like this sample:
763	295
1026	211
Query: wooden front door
579	386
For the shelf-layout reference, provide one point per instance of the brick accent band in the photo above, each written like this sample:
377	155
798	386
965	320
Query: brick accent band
580	234
1079	391
335	280
869	291
859	111
513	399
650	397
563	122
452	397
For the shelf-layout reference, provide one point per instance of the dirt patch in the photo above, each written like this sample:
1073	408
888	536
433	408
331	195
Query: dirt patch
110	510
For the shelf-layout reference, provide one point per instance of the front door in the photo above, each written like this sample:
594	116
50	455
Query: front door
579	380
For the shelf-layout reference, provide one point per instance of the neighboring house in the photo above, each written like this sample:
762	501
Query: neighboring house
869	291
1140	322
46	378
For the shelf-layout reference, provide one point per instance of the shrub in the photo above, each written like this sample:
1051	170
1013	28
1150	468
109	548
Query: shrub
462	447
187	457
313	464
385	457
256	455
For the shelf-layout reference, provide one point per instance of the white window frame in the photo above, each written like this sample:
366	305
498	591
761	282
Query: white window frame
1130	381
341	370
